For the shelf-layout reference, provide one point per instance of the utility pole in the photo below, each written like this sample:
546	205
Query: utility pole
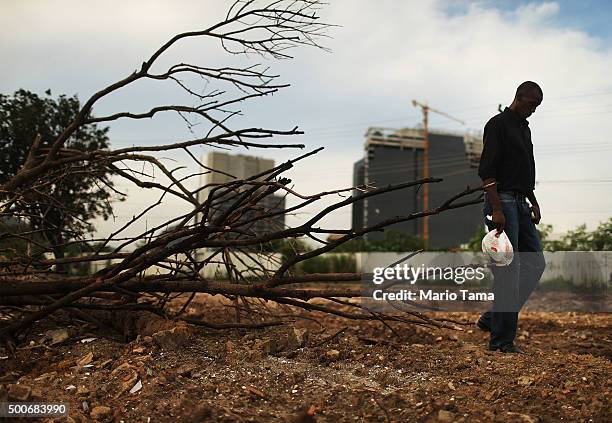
426	109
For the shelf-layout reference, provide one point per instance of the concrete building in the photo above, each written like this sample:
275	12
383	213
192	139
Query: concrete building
226	168
394	156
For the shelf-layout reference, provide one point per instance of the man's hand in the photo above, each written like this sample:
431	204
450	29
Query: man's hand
536	214
499	220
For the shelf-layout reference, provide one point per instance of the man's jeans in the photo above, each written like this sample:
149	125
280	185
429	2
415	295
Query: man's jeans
513	284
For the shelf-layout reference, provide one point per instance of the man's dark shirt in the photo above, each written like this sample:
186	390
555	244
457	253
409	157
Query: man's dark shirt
507	154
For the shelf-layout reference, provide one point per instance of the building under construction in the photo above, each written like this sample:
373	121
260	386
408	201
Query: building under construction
394	156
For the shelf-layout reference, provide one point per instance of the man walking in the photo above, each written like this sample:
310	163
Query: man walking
507	165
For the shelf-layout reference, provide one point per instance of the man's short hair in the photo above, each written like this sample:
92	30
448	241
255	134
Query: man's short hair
528	87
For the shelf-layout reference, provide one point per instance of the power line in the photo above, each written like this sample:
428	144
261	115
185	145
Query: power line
481	106
548	116
492	105
360	124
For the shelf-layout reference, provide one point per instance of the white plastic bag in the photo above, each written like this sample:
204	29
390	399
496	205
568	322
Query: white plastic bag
498	248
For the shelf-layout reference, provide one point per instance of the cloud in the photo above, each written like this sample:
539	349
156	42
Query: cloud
385	54
537	12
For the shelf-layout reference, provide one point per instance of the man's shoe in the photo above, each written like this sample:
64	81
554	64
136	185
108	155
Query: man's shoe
508	348
482	325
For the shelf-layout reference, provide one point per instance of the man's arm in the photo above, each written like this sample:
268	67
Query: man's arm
535	207
487	170
498	214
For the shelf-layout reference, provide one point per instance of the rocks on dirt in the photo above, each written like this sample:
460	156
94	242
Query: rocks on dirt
427	378
492	395
66	419
57	336
268	346
124	377
230	347
297	338
525	380
186	370
520	418
137	387
201	412
101	413
306	416
9	377
19	392
290	341
256	392
85	360
332	355
445	416
209	387
171	339
82	392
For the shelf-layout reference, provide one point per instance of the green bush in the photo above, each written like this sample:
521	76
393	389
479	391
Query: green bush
328	263
319	264
578	239
342	263
393	242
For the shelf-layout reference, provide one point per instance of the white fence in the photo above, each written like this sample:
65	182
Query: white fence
579	267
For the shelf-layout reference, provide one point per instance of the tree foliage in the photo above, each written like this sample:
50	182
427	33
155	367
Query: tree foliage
336	262
475	242
580	239
26	115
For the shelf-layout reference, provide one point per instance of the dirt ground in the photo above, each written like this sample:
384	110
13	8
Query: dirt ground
364	373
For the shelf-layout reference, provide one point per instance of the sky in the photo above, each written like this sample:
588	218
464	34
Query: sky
461	57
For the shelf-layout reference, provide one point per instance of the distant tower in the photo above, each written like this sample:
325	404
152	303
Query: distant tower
228	168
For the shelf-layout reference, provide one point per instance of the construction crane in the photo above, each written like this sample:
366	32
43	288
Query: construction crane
426	109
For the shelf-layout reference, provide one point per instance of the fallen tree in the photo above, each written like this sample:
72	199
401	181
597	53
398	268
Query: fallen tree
220	227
